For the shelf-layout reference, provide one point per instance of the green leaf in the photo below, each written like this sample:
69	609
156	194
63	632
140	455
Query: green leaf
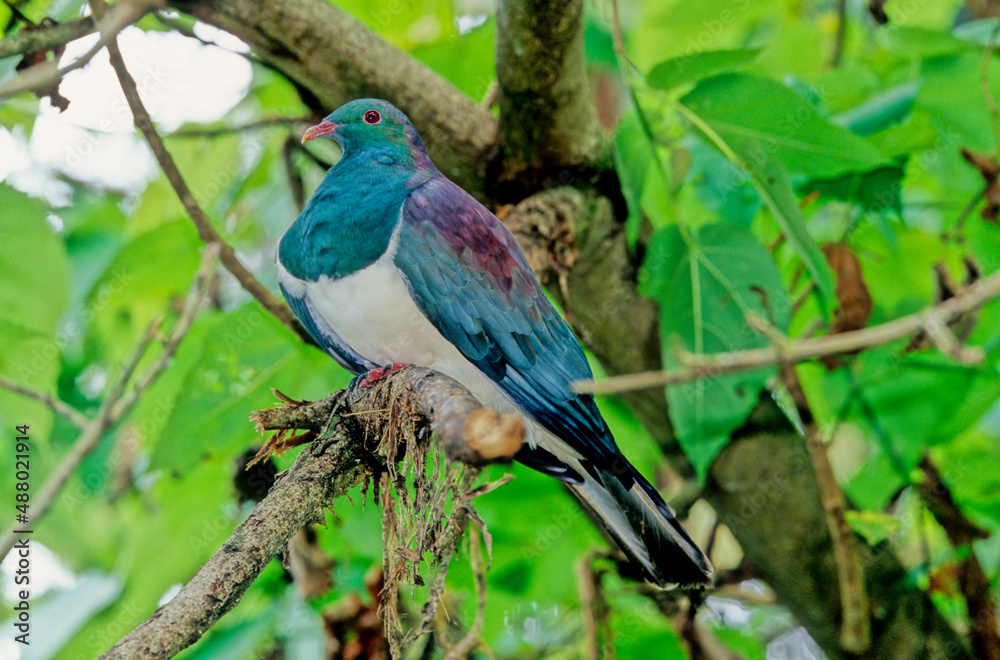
690	68
759	118
776	190
875	193
874	526
34	286
633	158
146	274
247	353
707	283
33	269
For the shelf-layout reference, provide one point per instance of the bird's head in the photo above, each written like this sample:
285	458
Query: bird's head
369	124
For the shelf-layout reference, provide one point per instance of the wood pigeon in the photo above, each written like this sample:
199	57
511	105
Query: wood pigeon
391	262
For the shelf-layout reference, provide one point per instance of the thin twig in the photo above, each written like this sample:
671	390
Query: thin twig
61	408
855	623
45	37
838	43
208	131
800	350
47	74
587	587
206	230
85	444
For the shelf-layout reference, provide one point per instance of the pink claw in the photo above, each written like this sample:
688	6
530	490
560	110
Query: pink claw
375	375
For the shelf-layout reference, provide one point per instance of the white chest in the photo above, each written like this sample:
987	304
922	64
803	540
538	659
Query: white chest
372	312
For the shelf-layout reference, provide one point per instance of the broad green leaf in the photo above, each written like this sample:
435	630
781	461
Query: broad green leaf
690	68
34	286
149	272
248	353
707	283
760	119
464	60
877	191
758	134
966	124
633	158
33	266
917	42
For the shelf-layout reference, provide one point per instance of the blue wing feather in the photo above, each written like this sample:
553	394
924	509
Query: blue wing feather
469	277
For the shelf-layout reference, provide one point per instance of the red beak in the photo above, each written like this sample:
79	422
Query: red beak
319	130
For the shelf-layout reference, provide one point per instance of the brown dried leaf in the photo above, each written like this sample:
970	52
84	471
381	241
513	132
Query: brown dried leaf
852	293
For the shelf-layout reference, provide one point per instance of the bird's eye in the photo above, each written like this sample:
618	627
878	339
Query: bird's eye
372	117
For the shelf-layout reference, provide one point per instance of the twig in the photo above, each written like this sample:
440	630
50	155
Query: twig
115	404
838	43
206	230
61	408
266	122
984	634
45	37
855	633
705	366
591	601
47	74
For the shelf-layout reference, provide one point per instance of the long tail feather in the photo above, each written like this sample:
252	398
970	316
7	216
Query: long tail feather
644	527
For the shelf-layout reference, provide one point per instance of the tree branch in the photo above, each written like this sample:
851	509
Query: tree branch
206	230
336	58
547	118
45	37
354	423
61	408
47	74
931	320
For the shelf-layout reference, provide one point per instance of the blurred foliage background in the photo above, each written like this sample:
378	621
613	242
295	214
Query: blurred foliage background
854	134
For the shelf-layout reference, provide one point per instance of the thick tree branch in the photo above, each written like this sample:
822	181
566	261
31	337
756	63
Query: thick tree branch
45	37
547	117
355	424
336	58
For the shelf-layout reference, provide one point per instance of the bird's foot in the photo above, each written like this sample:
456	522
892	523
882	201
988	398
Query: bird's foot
375	375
